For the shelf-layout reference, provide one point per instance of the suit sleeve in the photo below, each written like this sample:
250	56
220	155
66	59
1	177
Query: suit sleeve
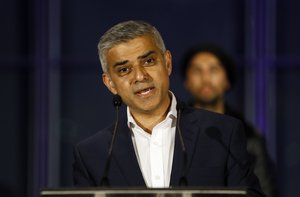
81	177
239	167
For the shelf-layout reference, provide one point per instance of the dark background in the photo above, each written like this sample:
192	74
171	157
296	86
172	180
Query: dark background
52	95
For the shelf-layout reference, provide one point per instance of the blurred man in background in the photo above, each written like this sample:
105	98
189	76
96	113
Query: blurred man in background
209	73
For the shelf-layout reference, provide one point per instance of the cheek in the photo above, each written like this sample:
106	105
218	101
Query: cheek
158	76
195	80
122	87
220	82
192	83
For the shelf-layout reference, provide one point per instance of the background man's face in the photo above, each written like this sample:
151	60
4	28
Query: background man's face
206	78
139	72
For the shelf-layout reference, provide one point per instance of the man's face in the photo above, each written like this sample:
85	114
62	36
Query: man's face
206	78
139	72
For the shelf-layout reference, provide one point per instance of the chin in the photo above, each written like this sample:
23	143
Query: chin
147	108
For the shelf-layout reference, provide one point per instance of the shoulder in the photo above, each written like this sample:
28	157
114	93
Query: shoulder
207	122
251	132
100	138
205	116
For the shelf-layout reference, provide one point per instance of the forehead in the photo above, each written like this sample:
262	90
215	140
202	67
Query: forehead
131	48
205	58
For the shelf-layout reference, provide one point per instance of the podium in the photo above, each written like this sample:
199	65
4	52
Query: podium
145	192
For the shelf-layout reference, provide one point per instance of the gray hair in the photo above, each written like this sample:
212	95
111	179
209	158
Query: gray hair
123	32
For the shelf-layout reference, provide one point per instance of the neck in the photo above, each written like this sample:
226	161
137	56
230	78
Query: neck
218	107
147	121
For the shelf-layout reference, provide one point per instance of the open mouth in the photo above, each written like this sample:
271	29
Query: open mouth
144	91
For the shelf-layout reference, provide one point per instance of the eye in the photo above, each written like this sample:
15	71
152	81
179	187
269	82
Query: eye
123	70
150	61
195	70
215	69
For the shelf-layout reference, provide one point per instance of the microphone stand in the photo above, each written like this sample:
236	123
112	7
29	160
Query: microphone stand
183	179
117	101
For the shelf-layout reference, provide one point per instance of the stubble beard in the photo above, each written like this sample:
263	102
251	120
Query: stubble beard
207	103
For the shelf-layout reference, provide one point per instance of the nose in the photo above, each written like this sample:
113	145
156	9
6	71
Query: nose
206	76
140	74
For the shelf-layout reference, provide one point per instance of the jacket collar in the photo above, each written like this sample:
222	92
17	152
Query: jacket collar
189	130
126	159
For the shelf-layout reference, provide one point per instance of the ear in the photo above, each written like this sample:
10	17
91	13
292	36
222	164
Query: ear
109	83
168	60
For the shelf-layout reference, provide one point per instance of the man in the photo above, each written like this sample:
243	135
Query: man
209	74
148	150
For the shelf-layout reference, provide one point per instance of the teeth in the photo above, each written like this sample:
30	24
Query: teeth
145	91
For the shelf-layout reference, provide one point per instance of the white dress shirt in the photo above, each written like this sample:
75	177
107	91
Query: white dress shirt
155	151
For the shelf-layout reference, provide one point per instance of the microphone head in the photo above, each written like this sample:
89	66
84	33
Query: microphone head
117	101
214	133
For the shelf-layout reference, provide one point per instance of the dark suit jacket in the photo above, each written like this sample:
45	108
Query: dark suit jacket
209	163
263	165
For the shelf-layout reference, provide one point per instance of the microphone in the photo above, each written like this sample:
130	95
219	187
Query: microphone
215	133
117	102
183	179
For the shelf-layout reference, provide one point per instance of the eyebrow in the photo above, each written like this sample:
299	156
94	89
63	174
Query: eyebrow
146	55
120	63
139	57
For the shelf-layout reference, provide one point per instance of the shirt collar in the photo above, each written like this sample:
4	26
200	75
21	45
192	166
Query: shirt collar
171	114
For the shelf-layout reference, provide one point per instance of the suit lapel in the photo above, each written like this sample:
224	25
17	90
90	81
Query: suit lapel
125	156
189	131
